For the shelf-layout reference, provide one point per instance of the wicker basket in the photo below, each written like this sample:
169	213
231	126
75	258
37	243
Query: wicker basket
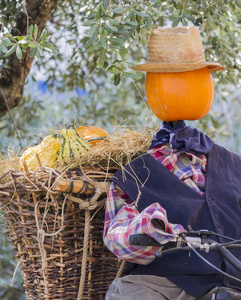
57	236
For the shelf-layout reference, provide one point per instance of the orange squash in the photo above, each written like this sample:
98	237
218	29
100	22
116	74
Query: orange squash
180	96
92	134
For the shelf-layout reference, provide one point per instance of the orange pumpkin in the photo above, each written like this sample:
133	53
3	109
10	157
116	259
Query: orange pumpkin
180	96
92	134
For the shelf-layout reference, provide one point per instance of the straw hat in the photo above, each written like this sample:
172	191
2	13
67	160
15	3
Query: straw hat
179	49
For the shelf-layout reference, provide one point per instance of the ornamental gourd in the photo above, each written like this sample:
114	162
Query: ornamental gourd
180	96
92	134
47	151
72	146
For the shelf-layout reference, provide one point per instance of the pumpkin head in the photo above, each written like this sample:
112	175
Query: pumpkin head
180	96
92	134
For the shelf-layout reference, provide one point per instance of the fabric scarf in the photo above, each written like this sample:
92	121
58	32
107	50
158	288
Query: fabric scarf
182	138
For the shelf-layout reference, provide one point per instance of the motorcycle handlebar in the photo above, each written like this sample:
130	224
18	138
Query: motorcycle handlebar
195	242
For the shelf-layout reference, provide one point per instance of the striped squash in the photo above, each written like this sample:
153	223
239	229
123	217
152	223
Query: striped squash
92	134
72	146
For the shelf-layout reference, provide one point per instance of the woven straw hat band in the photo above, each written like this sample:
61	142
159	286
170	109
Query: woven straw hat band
175	45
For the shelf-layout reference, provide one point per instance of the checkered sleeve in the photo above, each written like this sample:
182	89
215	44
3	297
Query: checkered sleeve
122	219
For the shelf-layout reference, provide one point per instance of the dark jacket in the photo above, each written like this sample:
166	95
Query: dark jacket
219	211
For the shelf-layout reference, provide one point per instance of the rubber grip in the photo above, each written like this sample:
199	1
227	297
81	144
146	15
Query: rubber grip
142	240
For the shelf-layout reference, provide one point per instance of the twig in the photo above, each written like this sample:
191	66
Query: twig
144	103
15	271
25	10
11	116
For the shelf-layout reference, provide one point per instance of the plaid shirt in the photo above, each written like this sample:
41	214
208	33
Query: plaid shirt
123	219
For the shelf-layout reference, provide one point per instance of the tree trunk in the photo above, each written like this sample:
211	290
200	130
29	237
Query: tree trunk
12	79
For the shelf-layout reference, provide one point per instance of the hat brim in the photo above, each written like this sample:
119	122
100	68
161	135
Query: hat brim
174	68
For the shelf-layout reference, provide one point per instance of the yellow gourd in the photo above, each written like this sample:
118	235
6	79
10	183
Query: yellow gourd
47	151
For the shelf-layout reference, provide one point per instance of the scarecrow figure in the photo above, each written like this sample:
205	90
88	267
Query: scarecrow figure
184	181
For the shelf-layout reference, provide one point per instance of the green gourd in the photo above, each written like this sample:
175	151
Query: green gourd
72	146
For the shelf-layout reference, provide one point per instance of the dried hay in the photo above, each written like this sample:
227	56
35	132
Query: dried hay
122	147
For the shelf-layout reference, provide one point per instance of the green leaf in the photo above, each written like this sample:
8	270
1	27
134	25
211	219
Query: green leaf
102	57
41	51
28	37
131	23
117	80
19	52
114	22
148	22
19	38
3	48
48	49
50	46
33	52
113	69
91	16
121	32
12	38
89	43
99	12
92	30
176	22
107	28
120	66
116	41
129	16
89	23
177	5
184	22
123	51
106	4
191	12
95	34
6	42
116	47
189	17
103	41
30	30
11	50
44	35
119	10
133	75
35	33
127	27
141	14
113	28
130	64
93	38
33	44
94	48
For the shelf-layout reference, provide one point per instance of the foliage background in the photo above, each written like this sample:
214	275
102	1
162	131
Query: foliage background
89	80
